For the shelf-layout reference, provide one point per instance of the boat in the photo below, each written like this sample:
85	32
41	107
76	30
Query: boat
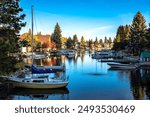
122	66
47	69
70	53
36	82
102	54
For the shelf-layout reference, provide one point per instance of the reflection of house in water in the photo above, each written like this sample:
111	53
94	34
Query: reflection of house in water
46	62
140	81
34	94
50	61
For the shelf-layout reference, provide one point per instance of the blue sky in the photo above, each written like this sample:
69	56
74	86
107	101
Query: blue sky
90	18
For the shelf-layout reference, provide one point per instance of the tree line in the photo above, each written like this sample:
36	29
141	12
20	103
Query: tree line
74	42
133	38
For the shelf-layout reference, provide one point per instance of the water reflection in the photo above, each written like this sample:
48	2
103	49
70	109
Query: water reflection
88	79
34	94
140	84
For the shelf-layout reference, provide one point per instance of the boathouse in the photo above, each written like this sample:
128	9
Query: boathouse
145	56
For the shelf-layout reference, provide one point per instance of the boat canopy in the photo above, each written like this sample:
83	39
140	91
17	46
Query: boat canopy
35	70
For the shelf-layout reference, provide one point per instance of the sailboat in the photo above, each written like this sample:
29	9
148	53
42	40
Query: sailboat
36	82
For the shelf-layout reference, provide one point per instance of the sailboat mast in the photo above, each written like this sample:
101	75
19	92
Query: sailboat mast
32	11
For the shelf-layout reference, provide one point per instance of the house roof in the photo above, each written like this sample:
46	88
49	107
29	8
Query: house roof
43	38
23	36
145	54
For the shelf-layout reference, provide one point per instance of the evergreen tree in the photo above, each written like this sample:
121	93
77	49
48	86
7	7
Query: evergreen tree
101	41
96	42
105	40
75	40
69	43
127	32
148	38
10	26
110	40
56	36
122	37
90	43
138	30
82	42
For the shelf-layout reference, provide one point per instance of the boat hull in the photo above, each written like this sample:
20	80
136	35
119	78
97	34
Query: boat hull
38	85
122	66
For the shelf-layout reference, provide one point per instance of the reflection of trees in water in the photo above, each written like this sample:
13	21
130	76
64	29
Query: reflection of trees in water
82	56
52	61
70	59
140	80
75	59
32	94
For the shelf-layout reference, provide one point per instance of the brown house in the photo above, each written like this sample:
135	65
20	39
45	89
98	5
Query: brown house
44	40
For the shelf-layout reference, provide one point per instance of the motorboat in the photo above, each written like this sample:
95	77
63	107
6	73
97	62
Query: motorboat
102	54
70	52
122	66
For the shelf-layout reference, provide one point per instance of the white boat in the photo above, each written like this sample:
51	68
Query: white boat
102	54
35	56
37	83
39	56
59	68
122	66
70	53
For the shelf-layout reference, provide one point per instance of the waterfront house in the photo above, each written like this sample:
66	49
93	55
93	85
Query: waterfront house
145	56
44	40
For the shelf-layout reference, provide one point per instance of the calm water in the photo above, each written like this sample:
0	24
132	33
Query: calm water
89	80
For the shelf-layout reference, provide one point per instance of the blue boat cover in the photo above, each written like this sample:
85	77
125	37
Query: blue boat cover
35	70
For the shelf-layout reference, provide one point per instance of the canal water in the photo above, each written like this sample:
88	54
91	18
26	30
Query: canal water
89	79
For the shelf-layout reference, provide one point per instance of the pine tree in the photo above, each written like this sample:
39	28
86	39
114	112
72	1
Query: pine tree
69	43
127	32
122	37
147	45
105	40
82	42
96	42
75	40
56	36
101	41
90	43
10	26
110	40
138	30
